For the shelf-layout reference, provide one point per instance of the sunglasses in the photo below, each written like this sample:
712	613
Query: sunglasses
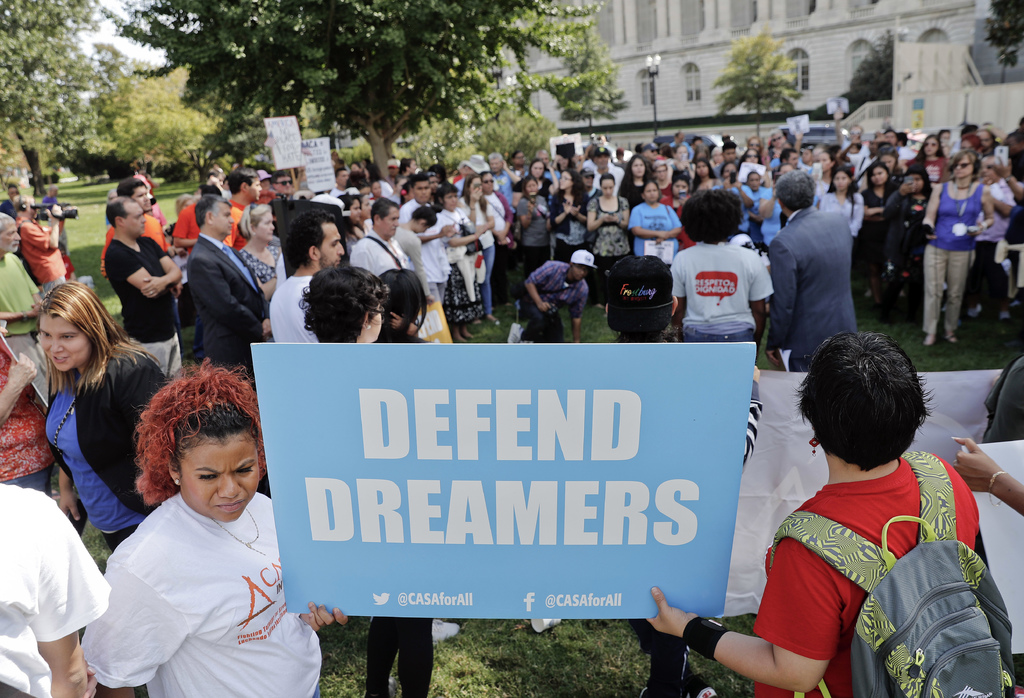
286	182
961	164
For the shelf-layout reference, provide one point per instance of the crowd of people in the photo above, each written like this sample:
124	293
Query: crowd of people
167	463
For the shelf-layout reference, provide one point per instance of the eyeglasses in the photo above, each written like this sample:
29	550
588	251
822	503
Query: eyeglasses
962	163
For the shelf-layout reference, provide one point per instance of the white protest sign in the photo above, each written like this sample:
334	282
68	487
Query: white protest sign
566	139
319	167
1003	530
835	104
782	473
747	167
799	124
284	141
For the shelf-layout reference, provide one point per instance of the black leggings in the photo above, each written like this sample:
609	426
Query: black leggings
411	640
117	537
499	275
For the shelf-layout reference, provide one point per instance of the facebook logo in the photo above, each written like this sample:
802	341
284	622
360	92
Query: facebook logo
529	601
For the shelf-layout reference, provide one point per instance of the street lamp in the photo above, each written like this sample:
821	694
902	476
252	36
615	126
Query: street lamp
652	71
496	74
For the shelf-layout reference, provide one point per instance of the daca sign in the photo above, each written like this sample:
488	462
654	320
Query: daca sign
504	481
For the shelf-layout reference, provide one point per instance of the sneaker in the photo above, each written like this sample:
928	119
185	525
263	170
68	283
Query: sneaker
974	312
442	631
1004	315
392	687
696	687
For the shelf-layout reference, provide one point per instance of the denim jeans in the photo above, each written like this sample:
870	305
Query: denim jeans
692	335
485	287
36	481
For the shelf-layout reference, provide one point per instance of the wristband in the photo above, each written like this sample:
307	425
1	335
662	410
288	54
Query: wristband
702	636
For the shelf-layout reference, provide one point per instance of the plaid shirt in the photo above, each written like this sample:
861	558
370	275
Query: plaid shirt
549	279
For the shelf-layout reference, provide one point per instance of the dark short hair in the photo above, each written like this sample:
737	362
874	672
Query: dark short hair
712	215
209	190
127	187
307	230
12	185
728	145
446	188
340	168
416	178
786	154
240	176
1015	137
278	176
381	208
337	300
425	213
863	398
205	205
115	209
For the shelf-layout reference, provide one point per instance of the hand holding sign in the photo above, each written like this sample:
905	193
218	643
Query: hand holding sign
799	124
838	106
747	167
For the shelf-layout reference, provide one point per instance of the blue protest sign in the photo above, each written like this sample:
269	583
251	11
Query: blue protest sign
505	481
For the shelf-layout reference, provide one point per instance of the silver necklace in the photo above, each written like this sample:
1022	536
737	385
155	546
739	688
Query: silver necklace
249	544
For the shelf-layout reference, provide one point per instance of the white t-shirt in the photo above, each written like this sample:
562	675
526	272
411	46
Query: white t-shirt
497	211
193	612
405	213
288	314
718	283
49	588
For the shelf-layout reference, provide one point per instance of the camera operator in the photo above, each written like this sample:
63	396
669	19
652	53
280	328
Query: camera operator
551	286
39	245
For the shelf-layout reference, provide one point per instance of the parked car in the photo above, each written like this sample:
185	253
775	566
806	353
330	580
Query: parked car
819	133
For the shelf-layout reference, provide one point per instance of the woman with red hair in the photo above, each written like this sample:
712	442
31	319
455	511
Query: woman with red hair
196	605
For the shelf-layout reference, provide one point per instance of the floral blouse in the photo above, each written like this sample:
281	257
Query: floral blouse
262	271
23	446
611	238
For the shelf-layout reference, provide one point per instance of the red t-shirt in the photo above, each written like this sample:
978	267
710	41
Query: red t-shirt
186	227
935	168
808	607
683	239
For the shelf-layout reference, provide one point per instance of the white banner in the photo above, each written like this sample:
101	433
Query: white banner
284	141
319	167
782	474
1003	529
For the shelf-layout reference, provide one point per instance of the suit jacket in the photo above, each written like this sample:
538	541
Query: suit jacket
231	308
811	260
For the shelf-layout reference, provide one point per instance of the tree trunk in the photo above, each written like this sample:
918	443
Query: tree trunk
758	122
380	147
32	158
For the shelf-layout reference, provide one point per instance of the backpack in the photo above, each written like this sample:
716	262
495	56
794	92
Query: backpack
933	624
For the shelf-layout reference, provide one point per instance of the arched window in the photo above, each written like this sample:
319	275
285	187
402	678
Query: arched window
646	21
859	50
606	22
934	36
691	83
646	81
803	69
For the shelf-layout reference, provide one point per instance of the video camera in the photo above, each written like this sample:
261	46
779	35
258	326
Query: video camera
67	212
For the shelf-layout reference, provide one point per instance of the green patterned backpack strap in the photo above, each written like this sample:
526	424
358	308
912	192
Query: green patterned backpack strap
850	554
937	507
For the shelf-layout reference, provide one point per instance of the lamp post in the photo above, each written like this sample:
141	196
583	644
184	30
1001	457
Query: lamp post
652	71
496	74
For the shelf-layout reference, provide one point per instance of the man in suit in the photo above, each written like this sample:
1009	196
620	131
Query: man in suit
234	310
810	274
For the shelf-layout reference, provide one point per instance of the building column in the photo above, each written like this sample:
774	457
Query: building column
664	28
629	21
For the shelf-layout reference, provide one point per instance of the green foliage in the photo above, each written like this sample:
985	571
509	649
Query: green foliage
1005	29
601	100
758	77
446	141
381	68
873	79
512	130
44	76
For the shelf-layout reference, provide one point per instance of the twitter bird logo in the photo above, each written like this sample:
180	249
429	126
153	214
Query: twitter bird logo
380	599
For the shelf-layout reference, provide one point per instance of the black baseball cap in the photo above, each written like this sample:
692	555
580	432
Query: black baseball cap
602	151
639	295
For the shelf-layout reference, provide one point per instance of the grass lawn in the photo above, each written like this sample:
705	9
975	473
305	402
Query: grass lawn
505	657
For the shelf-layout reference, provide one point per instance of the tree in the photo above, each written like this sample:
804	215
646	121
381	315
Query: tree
872	81
380	68
758	77
512	130
1005	31
604	100
44	76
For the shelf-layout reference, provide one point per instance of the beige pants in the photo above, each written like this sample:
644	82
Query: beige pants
25	344
949	268
167	354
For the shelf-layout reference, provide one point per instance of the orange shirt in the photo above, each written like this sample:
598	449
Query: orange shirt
234	239
186	227
153	230
45	261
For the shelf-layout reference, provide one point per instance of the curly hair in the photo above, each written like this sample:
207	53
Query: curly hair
712	215
205	402
307	230
338	300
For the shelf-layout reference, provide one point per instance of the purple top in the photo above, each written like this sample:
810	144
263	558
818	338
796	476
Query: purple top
953	211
